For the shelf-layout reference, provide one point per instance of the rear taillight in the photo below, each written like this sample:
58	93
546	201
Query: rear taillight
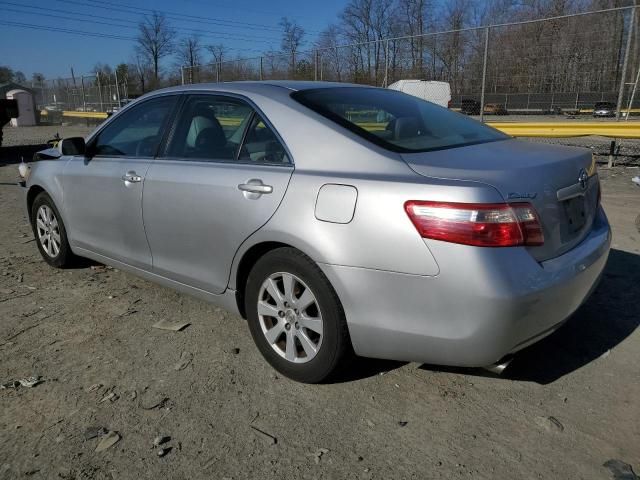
449	104
479	224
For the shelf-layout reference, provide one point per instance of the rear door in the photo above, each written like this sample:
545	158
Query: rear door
223	175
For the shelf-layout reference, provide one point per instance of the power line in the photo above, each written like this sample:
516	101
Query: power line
235	5
173	15
66	30
133	24
194	17
94	34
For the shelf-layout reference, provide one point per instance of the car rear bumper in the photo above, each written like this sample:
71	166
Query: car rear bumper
484	304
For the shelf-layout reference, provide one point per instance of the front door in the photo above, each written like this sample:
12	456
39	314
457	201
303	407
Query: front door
223	176
103	191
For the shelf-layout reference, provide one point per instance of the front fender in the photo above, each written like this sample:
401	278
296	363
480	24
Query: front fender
47	175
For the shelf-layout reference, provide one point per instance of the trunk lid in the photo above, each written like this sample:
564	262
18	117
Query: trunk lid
547	176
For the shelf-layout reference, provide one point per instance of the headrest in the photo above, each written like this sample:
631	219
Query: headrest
406	127
211	138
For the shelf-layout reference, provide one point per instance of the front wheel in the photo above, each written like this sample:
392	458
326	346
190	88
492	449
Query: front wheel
295	316
51	236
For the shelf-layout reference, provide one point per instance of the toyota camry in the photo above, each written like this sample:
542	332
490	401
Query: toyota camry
335	218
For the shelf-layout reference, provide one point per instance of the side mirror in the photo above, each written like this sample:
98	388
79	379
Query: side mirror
73	146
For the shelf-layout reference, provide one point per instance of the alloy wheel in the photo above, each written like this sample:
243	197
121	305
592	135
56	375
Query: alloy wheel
290	317
48	230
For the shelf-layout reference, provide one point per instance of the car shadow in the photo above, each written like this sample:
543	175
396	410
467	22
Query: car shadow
609	316
360	368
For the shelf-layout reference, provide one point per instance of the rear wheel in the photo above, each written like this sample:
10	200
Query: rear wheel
51	236
295	317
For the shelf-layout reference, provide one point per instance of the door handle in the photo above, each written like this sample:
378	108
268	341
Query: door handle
131	177
255	185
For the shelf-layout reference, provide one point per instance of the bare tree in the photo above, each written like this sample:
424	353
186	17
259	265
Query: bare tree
332	57
218	52
155	40
102	69
292	35
19	77
37	78
218	55
368	23
417	18
188	53
141	71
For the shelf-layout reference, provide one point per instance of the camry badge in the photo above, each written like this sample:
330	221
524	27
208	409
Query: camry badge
514	195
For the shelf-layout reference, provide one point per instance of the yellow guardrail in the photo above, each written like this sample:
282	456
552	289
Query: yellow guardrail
624	110
72	113
621	129
630	129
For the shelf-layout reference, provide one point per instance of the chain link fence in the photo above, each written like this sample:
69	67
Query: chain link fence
563	64
84	93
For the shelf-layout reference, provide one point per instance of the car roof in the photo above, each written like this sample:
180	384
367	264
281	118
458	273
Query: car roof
258	86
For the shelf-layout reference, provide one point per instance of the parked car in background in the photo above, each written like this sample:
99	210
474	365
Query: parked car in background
495	109
469	106
113	109
604	109
431	91
55	107
416	238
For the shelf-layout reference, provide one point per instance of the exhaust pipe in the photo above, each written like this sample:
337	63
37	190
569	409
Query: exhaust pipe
499	367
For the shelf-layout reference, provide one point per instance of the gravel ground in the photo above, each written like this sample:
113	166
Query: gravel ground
566	406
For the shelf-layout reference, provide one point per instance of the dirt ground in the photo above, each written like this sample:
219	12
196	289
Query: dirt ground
566	406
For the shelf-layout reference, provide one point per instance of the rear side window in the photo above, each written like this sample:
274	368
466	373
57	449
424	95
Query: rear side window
262	145
210	127
396	121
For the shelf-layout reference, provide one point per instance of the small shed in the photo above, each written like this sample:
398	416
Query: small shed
27	117
26	103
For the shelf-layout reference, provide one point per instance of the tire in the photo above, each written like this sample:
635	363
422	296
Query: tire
50	233
305	350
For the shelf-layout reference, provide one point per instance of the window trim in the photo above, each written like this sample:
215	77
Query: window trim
298	96
163	130
162	153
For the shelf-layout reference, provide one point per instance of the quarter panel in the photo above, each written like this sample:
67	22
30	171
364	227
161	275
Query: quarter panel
380	236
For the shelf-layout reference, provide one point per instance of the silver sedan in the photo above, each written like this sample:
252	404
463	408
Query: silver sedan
335	218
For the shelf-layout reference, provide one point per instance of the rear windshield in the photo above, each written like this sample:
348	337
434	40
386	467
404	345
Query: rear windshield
396	121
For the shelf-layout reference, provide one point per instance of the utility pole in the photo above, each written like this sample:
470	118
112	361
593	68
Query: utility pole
115	72
625	62
484	72
99	90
